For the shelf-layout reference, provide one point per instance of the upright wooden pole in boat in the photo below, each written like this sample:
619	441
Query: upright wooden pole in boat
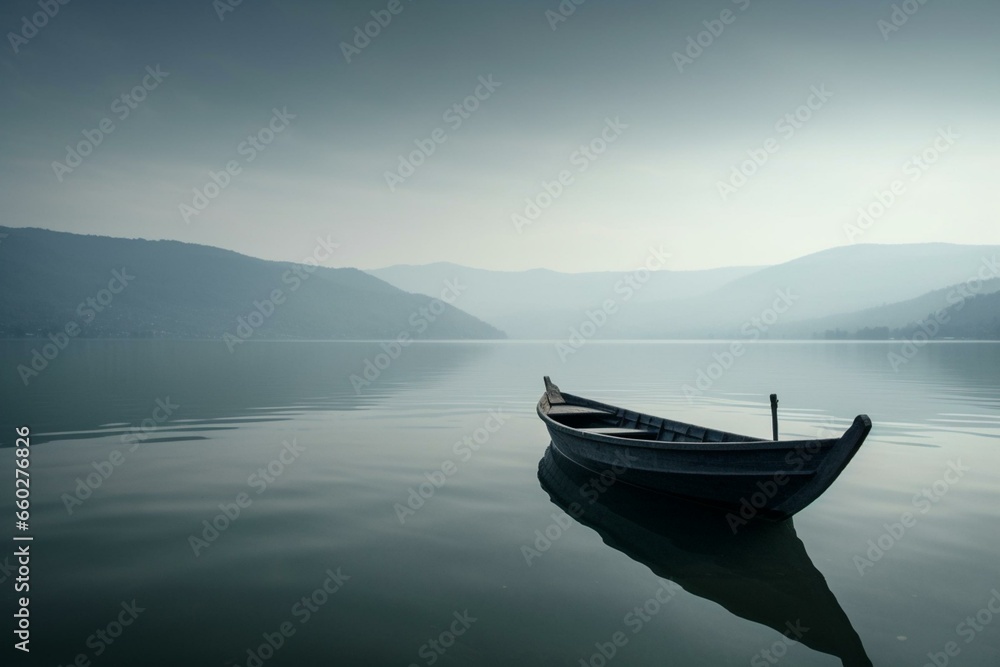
774	415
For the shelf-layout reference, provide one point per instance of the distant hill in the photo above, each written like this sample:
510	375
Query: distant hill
877	322
831	282
977	318
52	280
540	303
974	318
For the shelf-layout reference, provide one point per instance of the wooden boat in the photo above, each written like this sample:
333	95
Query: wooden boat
754	478
762	574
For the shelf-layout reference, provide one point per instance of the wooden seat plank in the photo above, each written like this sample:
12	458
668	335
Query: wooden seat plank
621	432
561	410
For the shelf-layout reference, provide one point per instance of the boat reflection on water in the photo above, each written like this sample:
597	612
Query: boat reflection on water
761	573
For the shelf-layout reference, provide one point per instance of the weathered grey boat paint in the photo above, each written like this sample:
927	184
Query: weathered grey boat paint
759	478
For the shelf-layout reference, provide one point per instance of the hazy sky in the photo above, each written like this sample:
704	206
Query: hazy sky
884	96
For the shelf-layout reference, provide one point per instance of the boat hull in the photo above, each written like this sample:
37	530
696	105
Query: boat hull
752	478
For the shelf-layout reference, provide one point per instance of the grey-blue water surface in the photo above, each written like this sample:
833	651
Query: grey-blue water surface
402	521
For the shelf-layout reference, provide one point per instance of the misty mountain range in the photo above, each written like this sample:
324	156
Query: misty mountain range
844	289
54	280
112	287
544	304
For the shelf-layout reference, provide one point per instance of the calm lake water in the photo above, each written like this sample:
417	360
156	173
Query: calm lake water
405	521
